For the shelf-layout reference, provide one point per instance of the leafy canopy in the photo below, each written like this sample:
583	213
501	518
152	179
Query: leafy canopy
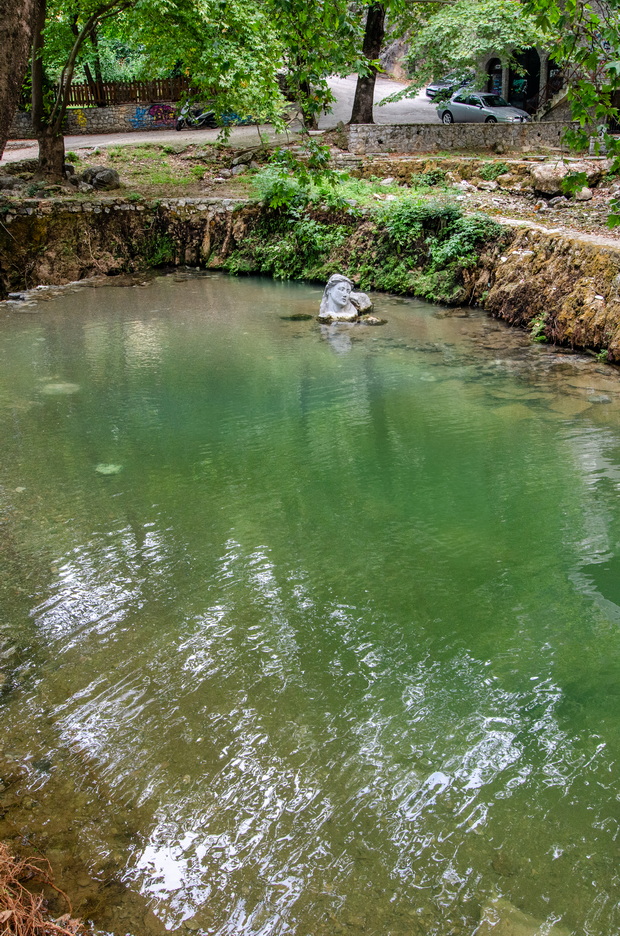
458	35
585	41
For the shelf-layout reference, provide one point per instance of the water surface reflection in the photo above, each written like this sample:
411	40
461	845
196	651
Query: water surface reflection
331	642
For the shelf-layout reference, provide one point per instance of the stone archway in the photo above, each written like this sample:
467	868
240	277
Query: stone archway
494	76
524	85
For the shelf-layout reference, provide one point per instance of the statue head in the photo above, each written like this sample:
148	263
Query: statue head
337	292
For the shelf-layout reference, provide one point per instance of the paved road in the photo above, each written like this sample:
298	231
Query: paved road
410	110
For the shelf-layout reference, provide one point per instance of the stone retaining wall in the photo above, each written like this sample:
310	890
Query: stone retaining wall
429	138
118	118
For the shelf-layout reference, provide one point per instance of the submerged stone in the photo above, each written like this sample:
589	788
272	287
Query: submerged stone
108	469
501	918
60	389
372	320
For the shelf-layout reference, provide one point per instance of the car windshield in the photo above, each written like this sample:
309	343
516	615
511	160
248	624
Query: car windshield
494	100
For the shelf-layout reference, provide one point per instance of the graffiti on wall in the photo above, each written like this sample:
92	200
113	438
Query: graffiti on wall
161	115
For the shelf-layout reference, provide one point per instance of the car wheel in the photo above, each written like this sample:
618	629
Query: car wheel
491	120
447	117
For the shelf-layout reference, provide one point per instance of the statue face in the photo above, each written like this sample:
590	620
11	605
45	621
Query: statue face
340	293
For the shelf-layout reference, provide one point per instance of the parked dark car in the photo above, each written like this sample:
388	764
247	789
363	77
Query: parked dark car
450	83
478	107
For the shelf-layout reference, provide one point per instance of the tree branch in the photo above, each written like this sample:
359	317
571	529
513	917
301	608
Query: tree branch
64	82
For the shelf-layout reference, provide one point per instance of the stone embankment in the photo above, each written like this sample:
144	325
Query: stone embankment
566	284
469	137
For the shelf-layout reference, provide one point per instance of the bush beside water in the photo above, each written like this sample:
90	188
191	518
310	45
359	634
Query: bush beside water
411	246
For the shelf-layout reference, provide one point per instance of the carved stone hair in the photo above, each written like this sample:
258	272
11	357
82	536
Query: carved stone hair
333	281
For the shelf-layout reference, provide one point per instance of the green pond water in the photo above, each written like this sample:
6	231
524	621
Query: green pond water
308	630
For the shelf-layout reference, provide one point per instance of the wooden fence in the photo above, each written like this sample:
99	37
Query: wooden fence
101	93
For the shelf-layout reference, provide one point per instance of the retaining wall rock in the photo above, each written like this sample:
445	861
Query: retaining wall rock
428	138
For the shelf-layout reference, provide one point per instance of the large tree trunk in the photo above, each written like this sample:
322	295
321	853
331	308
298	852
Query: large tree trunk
51	155
365	89
49	136
16	26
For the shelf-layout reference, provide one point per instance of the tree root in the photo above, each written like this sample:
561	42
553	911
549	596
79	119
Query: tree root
22	913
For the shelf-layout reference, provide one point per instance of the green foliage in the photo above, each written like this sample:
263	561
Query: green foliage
574	182
461	241
159	250
603	355
428	245
585	38
318	39
492	171
460	34
293	180
279	188
412	247
407	221
289	248
537	327
72	157
431	177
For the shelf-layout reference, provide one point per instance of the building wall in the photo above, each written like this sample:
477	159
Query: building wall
118	118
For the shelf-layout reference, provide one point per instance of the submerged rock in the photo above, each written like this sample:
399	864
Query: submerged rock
105	469
501	918
60	389
372	320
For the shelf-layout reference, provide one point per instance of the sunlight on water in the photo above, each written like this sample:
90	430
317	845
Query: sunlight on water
308	630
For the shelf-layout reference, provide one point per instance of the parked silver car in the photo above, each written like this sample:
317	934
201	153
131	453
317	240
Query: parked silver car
479	107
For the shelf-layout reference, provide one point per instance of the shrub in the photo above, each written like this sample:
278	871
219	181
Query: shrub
492	170
431	177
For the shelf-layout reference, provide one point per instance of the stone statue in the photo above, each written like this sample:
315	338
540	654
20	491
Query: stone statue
336	305
341	304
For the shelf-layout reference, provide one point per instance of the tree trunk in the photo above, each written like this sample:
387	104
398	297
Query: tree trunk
51	155
49	137
37	74
307	108
95	85
16	27
101	97
365	89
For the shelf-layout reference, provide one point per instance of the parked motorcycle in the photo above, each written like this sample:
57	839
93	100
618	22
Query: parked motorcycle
192	116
